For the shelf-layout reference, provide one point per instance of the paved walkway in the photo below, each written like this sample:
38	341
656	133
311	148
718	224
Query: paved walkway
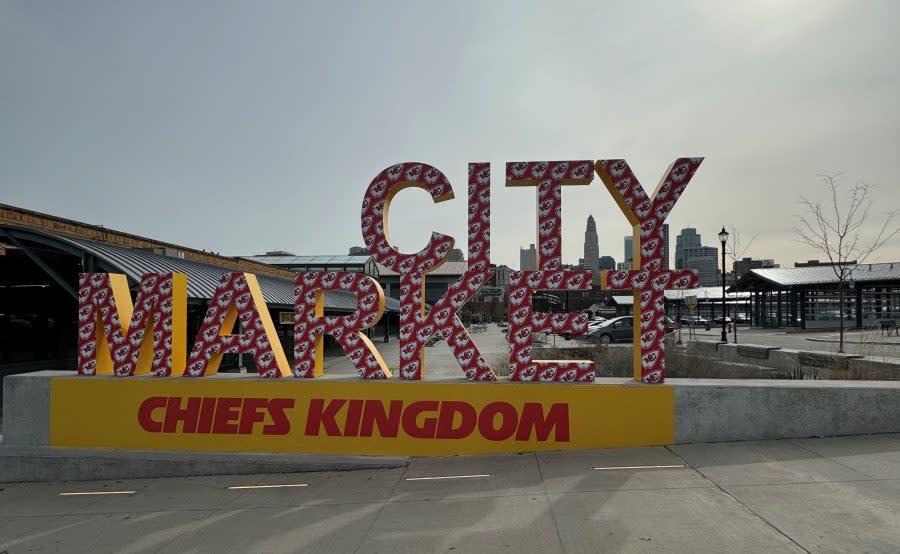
866	343
493	345
814	495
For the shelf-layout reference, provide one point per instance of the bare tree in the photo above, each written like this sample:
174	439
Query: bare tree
837	230
735	248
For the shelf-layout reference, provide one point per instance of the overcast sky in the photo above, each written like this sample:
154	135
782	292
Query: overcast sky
254	126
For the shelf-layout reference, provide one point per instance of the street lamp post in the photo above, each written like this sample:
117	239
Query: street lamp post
723	236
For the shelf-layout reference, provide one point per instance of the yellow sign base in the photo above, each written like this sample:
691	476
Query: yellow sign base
337	416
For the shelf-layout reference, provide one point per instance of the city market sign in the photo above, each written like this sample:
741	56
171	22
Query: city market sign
147	336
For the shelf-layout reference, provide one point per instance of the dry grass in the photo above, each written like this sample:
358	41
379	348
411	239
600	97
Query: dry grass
616	361
864	374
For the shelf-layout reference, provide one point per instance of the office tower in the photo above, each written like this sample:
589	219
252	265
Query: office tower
705	259
688	238
607	262
591	258
528	259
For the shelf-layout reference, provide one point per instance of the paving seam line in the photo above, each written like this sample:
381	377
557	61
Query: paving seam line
791	441
549	502
222	510
740	503
383	504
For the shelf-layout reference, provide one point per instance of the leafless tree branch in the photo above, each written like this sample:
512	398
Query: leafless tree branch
840	236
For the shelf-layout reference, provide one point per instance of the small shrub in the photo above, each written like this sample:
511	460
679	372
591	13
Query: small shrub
797	372
501	366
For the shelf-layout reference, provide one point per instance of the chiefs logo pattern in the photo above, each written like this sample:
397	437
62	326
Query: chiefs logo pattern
237	297
549	177
648	279
104	304
310	325
524	322
416	325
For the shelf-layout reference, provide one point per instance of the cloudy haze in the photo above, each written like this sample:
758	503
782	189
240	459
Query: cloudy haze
254	126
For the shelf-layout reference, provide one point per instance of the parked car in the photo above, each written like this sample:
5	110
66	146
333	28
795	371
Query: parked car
593	325
617	329
693	320
671	324
718	319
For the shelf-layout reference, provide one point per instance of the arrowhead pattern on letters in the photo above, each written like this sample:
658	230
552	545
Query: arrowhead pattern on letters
309	327
524	323
100	316
417	326
649	279
237	297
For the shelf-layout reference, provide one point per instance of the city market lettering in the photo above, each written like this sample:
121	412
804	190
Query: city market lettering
422	419
147	336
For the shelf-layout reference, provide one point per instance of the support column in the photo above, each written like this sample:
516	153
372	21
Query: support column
778	307
803	309
859	304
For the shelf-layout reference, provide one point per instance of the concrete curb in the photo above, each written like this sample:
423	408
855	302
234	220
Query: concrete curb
30	463
850	341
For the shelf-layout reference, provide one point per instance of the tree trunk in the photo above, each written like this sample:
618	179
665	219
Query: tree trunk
841	313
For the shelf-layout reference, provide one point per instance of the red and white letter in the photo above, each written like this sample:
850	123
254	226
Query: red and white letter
417	325
548	177
648	278
311	324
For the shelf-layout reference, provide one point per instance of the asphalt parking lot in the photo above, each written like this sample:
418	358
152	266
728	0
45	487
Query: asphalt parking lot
814	495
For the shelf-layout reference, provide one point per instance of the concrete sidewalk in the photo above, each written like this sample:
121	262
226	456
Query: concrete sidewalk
866	343
814	495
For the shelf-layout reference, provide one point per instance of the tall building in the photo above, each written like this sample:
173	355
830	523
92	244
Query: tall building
746	264
629	254
607	262
528	259
688	238
591	258
501	275
665	248
705	259
359	251
456	255
624	266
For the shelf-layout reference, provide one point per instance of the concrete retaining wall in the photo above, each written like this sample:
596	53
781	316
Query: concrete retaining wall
711	410
26	410
822	363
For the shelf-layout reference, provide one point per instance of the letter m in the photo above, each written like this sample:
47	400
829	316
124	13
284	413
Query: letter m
118	337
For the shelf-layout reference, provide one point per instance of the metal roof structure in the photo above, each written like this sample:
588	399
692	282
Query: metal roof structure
202	278
785	277
13	217
446	269
702	294
705	293
358	260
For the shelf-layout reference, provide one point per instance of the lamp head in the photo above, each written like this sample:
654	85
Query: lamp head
723	235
